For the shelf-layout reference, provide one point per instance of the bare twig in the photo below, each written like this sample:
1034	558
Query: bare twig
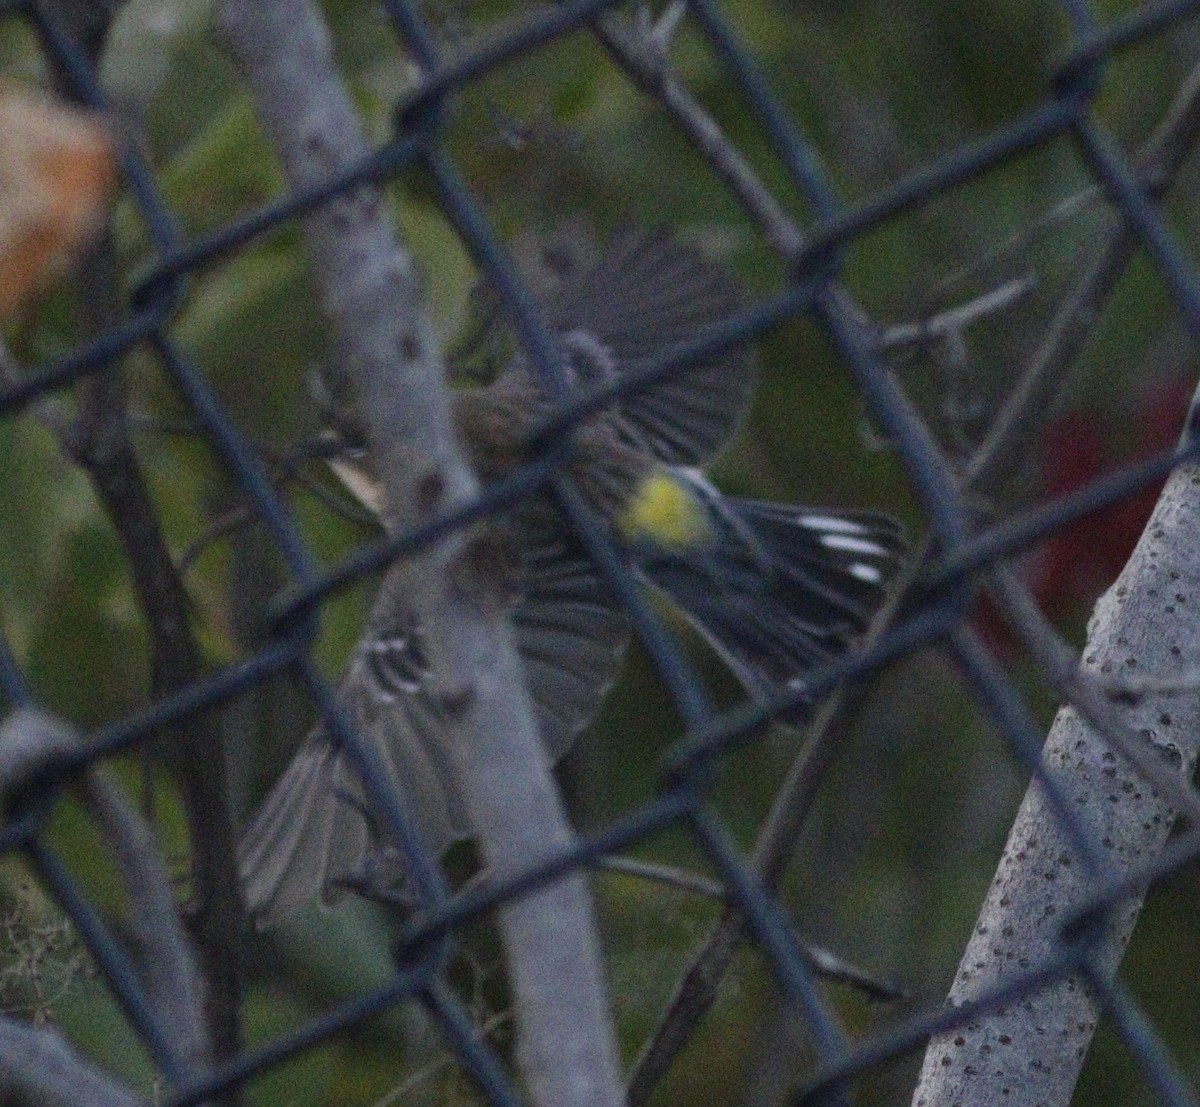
1030	404
284	469
645	63
100	442
833	966
1019	242
670	875
825	962
954	320
371	294
406	1091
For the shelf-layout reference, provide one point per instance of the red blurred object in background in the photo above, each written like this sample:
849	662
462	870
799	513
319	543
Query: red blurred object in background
1075	564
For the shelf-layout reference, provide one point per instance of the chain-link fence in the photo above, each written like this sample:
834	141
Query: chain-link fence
1110	817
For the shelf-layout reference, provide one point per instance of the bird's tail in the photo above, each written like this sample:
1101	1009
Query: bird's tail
786	590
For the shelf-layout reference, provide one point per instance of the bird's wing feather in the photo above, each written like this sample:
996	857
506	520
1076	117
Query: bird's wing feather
571	636
315	834
818	578
646	296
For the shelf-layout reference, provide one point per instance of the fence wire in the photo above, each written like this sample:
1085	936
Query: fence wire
937	596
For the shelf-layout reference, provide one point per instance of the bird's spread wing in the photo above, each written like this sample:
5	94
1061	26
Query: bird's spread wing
316	834
816	580
646	296
571	636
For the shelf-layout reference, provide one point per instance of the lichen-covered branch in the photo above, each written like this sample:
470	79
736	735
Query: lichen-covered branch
1031	1052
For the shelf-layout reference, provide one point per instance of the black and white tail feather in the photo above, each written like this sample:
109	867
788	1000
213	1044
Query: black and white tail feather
783	590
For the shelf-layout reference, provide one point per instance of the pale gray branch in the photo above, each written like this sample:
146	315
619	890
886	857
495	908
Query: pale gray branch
387	347
1031	1052
39	1068
161	953
1086	694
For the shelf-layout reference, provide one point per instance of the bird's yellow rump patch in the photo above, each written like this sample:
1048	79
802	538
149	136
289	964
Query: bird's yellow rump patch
665	511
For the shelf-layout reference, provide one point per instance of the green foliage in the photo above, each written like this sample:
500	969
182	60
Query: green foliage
895	858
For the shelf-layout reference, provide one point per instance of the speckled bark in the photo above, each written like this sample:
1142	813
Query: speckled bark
1147	624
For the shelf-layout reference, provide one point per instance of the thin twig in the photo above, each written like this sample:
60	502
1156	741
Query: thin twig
1034	399
1020	241
404	1092
954	320
647	65
670	875
100	443
824	961
284	469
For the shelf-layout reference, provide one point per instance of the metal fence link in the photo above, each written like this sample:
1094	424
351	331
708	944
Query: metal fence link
937	596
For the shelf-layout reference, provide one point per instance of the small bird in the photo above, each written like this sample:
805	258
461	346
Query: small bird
774	589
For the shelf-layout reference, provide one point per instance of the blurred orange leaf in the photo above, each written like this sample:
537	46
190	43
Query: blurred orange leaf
57	170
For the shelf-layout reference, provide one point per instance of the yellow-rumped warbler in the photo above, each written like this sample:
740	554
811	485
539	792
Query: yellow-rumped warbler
774	589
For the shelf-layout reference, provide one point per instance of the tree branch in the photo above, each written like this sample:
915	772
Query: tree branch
100	443
159	949
38	1068
1031	1052
388	348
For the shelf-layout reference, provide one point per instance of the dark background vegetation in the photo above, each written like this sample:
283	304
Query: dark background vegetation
895	860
